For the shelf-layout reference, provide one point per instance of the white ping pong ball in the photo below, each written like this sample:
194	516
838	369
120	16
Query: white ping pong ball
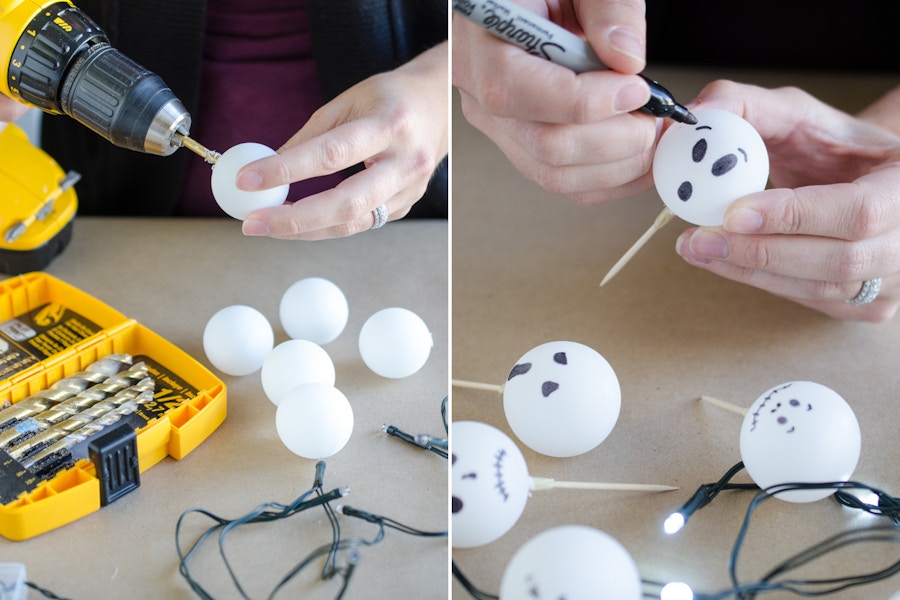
574	562
239	203
700	169
490	483
800	432
314	420
294	362
237	340
395	342
562	399
314	309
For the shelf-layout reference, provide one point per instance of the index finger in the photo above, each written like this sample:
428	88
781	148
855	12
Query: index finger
508	82
863	209
346	145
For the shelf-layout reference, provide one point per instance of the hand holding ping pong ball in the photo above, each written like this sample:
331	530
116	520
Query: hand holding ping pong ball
699	170
237	340
314	420
573	562
800	432
490	483
236	202
562	398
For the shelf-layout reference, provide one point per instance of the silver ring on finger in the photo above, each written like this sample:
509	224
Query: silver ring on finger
868	293
381	215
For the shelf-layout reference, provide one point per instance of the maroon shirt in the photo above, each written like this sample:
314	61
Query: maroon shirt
258	84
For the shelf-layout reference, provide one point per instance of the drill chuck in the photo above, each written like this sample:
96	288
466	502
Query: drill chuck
63	63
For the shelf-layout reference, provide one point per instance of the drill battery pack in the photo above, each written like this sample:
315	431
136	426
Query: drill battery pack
37	204
52	334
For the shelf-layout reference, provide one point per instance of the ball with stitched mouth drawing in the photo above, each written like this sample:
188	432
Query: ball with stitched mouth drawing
490	483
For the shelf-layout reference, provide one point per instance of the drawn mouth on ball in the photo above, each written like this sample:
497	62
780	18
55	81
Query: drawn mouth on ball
498	474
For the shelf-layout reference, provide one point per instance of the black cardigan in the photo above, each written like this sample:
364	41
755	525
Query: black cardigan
352	40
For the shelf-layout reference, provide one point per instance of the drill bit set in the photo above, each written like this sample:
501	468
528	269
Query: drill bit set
89	399
40	431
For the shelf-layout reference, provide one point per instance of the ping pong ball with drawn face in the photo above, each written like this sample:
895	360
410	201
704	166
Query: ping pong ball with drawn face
800	432
699	170
490	483
239	203
562	399
572	562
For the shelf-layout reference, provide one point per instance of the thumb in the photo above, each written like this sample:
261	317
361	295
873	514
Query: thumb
617	30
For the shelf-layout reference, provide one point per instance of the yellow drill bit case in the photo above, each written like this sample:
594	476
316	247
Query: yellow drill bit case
50	330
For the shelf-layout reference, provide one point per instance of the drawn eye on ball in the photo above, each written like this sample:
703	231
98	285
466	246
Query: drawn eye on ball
722	165
547	387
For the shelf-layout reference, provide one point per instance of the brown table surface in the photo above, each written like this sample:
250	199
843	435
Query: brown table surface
171	275
525	270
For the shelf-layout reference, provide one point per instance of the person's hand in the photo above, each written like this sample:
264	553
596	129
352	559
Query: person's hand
10	110
574	135
395	123
832	220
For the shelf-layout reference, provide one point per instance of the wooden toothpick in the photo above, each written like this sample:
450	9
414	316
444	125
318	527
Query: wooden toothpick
543	483
474	385
726	405
664	217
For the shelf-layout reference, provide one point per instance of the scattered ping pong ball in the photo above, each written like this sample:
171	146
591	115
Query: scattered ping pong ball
314	420
490	483
237	339
699	170
294	362
314	309
800	432
562	399
573	562
395	342
239	203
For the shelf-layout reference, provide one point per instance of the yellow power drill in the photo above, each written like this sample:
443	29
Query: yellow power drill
55	57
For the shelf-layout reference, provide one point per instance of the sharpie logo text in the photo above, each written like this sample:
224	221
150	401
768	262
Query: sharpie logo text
529	41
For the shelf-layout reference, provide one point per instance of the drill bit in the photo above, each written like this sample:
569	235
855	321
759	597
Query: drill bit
117	405
28	428
95	373
42	459
183	139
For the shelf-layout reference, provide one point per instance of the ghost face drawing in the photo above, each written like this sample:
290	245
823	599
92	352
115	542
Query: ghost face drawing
699	170
562	398
800	432
490	483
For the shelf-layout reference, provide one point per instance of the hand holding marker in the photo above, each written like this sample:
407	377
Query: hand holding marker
540	37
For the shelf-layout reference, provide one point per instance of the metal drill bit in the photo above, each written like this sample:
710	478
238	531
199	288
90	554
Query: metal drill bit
44	458
76	422
31	426
210	156
95	373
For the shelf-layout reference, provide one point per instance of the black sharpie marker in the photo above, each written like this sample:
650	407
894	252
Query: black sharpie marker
540	37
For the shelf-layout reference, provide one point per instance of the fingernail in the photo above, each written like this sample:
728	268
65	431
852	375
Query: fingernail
627	42
631	97
744	220
708	244
255	227
249	180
